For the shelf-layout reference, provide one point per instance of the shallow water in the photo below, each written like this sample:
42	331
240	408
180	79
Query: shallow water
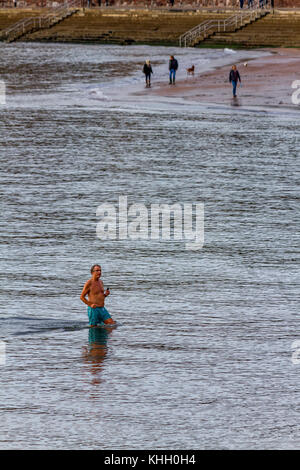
202	354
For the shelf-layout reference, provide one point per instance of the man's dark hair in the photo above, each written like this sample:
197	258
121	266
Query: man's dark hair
93	267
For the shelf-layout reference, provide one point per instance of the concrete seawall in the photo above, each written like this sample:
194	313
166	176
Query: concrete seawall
159	26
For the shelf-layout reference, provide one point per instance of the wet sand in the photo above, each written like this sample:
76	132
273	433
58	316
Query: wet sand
266	82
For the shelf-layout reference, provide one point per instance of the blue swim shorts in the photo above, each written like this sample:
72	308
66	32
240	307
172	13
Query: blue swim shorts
97	315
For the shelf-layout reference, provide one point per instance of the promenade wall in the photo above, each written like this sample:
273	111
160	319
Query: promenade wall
158	26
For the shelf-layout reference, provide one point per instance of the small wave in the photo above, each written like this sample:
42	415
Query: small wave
98	94
20	325
229	51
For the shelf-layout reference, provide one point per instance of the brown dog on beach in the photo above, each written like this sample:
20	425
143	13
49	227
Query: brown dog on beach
190	70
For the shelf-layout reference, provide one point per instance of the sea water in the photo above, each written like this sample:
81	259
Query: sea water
205	354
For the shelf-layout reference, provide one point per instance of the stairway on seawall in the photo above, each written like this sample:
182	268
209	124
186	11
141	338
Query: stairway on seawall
278	29
116	26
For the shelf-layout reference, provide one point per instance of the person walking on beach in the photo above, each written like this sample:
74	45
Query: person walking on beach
147	70
173	66
94	289
234	77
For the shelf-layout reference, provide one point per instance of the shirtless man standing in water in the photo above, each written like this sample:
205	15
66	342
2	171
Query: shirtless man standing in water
94	289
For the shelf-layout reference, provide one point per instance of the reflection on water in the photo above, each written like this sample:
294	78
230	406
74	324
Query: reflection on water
96	351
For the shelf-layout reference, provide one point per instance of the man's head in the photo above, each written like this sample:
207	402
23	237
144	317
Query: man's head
234	67
96	270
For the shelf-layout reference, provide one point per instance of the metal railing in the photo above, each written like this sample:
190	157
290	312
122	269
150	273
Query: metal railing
207	28
35	23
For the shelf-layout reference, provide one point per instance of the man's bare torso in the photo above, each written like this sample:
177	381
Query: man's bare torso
96	292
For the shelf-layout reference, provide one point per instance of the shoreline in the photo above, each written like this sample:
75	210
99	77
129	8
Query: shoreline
266	83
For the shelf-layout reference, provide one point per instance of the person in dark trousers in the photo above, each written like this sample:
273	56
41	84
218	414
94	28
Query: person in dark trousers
147	70
173	66
234	77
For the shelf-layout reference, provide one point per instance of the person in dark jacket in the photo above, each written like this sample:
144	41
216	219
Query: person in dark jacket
173	66
234	77
147	70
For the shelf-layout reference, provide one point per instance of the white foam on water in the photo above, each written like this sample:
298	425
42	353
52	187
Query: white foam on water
98	94
229	51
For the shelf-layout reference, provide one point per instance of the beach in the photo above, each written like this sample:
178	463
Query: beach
266	82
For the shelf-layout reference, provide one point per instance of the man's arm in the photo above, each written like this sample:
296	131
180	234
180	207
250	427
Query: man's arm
106	293
84	293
